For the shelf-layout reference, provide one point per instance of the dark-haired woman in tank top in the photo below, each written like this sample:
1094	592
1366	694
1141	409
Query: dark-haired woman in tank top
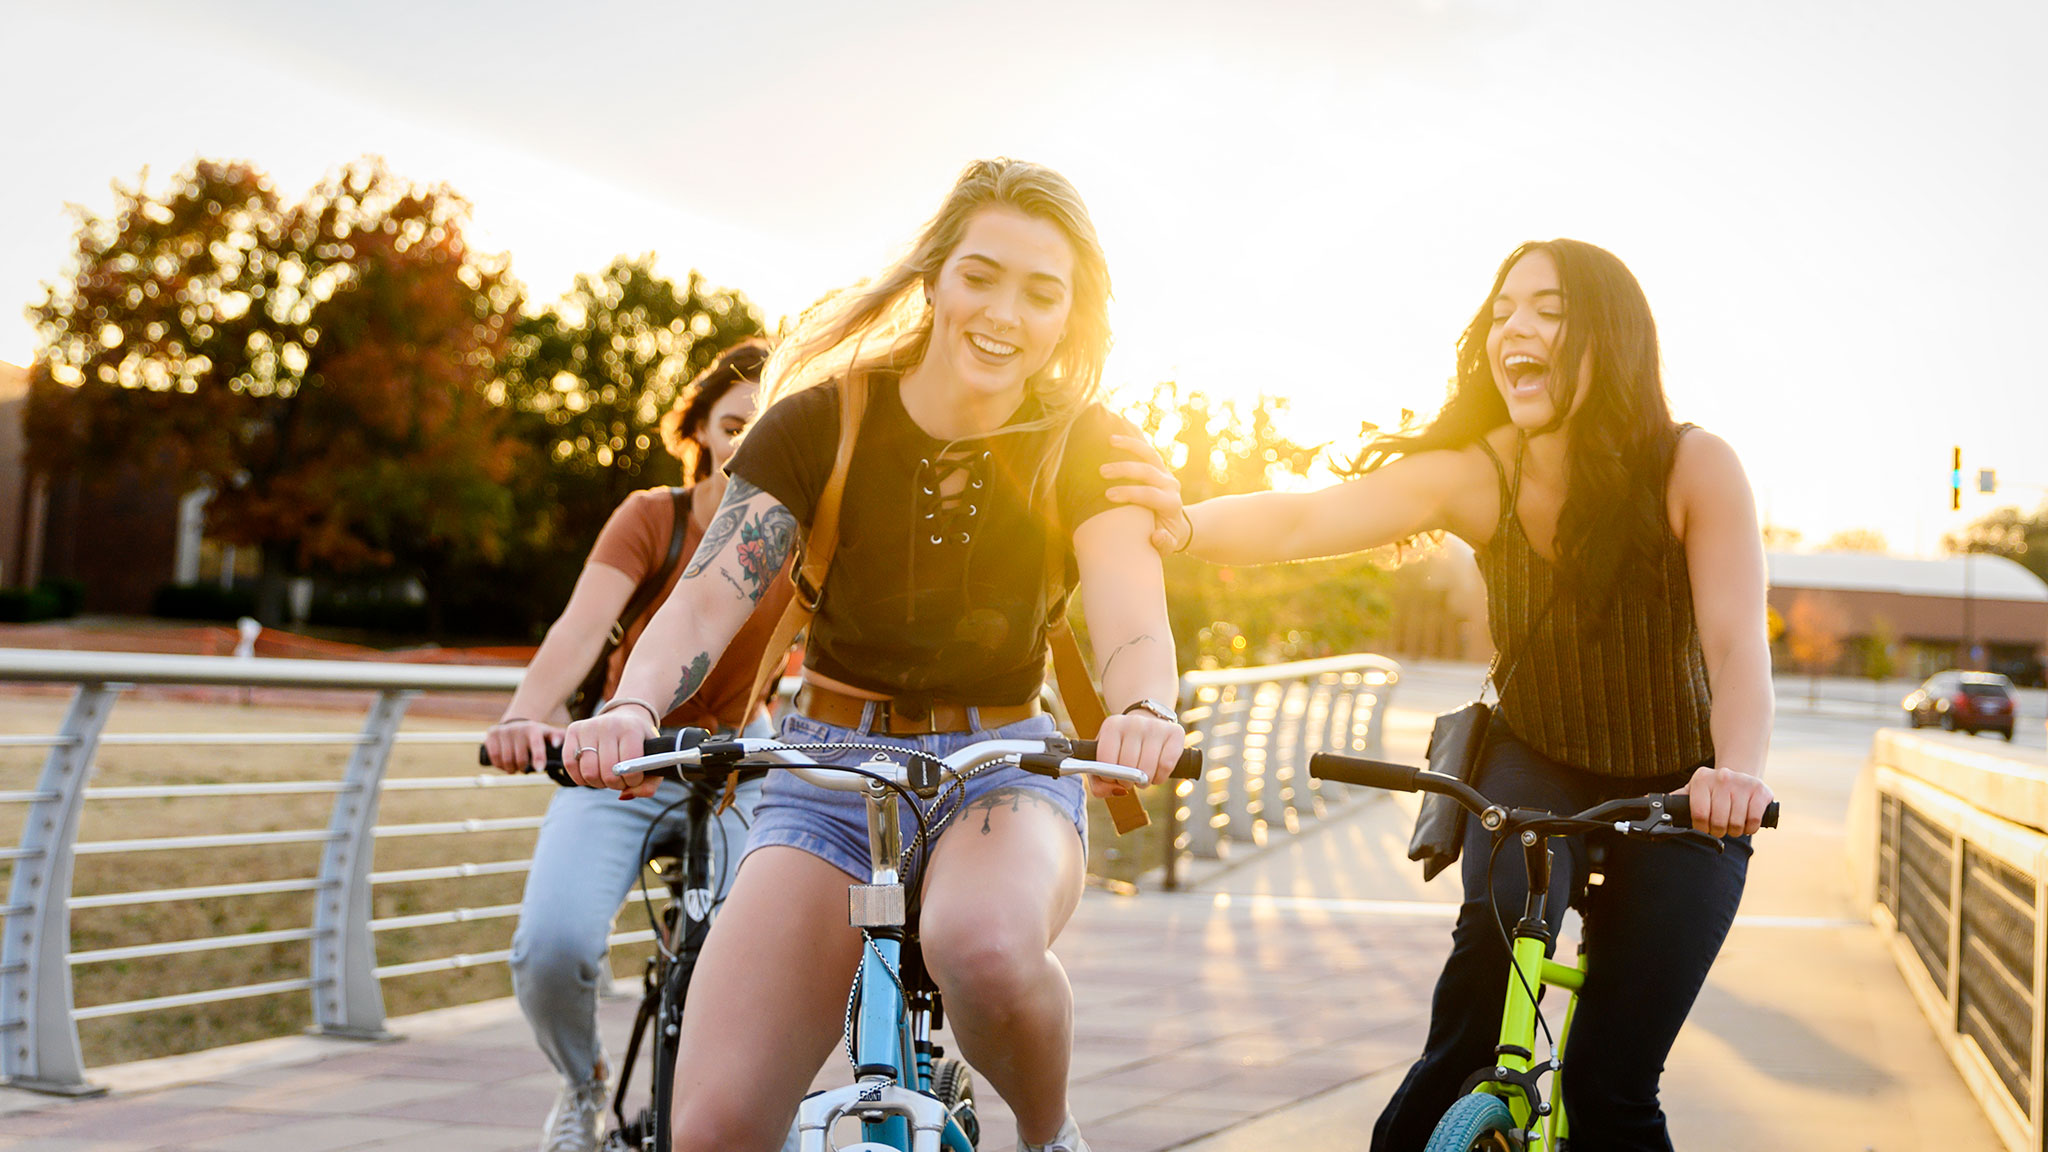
1625	573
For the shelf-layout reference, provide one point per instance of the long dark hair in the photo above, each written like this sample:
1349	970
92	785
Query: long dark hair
737	365
1621	440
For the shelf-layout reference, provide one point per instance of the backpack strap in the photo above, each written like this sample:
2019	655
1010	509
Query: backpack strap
587	694
814	558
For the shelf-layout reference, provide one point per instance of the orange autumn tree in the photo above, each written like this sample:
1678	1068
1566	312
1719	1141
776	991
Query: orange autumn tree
323	369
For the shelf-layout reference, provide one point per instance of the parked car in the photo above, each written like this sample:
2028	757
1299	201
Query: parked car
1964	702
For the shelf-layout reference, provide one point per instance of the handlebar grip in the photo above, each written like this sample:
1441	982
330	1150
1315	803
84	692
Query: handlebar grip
668	741
1678	806
1357	770
1188	767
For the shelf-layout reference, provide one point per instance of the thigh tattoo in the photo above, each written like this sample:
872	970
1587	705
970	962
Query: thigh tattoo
1012	799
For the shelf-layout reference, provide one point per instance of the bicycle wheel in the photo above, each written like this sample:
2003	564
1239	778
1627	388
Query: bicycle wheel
1476	1123
668	1022
953	1084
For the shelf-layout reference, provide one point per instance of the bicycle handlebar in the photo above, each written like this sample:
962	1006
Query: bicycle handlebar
1409	778
1080	757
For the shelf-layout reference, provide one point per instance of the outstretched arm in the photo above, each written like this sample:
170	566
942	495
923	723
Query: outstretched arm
750	538
1415	494
1716	518
1123	594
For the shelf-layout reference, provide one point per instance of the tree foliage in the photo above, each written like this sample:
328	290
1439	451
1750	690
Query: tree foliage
585	382
2007	532
1229	616
324	368
1868	540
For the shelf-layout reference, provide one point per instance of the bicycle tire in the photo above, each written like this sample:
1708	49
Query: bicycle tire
953	1084
668	1020
1476	1123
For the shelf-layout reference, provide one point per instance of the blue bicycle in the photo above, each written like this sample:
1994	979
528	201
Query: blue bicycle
907	1094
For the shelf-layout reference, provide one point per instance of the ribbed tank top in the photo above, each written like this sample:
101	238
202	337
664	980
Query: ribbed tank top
1621	694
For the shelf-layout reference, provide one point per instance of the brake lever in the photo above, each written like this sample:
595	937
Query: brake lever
1659	823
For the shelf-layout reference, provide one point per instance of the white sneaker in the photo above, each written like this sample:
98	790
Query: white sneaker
573	1123
1069	1140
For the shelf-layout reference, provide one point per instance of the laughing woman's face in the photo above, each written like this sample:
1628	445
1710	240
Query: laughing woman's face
1528	326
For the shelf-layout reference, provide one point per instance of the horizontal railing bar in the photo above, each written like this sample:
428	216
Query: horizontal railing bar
231	739
191	791
228	840
479	780
444	964
21	853
182	947
453	827
478	959
451	871
25	664
188	999
453	916
204	892
26	797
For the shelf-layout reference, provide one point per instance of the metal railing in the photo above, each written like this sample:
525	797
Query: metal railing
1257	724
1257	728
1956	874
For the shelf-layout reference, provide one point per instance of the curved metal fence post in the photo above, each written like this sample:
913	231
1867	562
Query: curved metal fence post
39	1047
347	1000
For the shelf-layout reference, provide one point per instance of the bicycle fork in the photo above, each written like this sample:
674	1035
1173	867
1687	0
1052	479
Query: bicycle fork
894	1115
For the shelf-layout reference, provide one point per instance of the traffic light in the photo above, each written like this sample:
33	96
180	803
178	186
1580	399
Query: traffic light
1955	481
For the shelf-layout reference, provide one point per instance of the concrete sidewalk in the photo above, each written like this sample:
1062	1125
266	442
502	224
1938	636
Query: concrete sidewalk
1270	1012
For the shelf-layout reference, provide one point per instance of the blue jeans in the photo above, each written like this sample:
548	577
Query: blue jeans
584	864
1651	930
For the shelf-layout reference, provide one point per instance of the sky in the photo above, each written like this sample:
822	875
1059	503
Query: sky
1835	208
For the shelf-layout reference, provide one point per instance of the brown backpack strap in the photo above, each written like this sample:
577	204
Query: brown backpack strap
807	569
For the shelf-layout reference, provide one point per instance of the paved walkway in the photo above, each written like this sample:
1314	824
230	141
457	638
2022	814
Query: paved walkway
1272	1008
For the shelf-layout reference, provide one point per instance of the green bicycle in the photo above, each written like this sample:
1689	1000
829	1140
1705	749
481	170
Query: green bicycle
1505	1108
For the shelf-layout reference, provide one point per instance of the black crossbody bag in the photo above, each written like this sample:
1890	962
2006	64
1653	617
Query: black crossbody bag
1455	742
585	699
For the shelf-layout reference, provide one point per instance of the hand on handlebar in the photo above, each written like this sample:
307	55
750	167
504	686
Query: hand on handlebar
516	746
1137	740
591	747
1726	802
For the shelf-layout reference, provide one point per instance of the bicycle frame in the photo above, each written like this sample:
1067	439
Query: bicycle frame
1516	1072
892	1047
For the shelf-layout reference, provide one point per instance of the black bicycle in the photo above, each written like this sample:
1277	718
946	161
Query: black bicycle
679	854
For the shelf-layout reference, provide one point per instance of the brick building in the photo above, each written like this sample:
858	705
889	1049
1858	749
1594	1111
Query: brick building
1932	612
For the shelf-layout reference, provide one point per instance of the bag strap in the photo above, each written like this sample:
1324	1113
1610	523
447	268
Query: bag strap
1514	490
814	558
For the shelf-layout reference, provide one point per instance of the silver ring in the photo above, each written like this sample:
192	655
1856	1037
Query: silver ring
582	750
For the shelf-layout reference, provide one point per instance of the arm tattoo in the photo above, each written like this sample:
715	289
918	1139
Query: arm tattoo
731	512
693	678
765	542
1133	642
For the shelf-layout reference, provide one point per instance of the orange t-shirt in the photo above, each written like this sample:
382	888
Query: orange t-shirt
635	541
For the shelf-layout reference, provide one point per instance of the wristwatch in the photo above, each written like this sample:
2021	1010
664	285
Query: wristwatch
1155	708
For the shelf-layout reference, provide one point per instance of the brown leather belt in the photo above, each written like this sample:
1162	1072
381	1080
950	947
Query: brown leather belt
905	716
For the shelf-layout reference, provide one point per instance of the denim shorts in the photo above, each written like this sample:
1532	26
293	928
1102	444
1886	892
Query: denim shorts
833	825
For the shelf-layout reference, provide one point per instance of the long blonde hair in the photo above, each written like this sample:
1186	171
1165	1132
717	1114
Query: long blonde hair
884	322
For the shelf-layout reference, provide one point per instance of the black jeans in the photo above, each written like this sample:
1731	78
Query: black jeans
1651	930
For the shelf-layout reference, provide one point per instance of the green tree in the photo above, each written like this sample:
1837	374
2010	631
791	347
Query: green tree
1229	616
2007	532
586	382
323	369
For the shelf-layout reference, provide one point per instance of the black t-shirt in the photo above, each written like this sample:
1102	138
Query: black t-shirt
936	588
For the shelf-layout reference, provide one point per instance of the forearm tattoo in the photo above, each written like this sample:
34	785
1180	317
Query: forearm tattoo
693	678
1120	649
